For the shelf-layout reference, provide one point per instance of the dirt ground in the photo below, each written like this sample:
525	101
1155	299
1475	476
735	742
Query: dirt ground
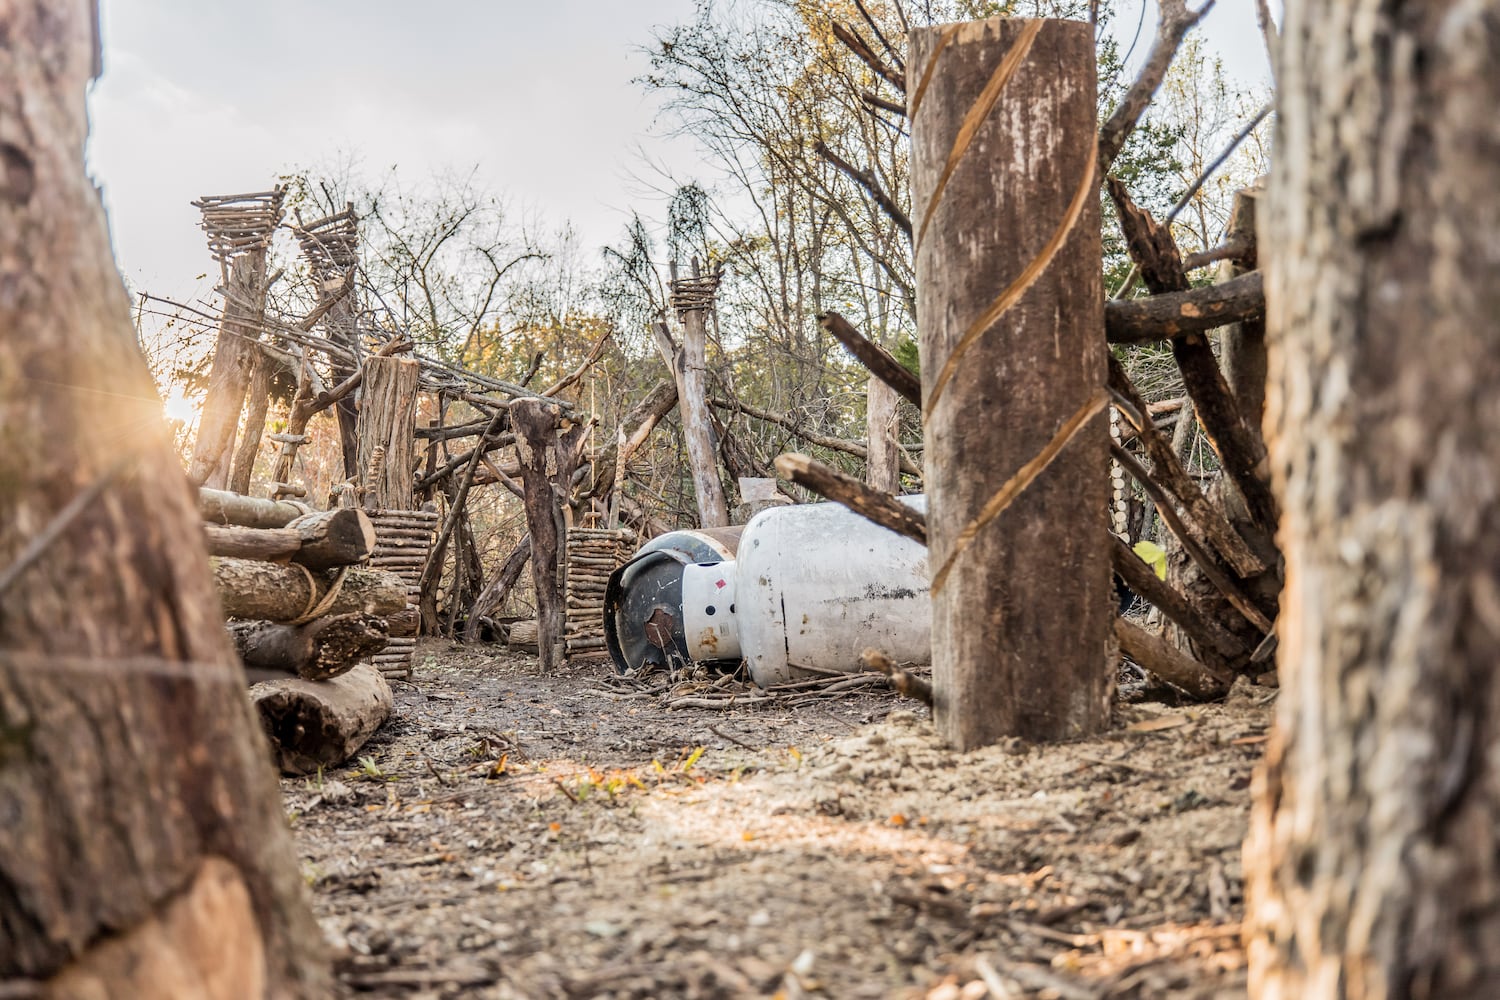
511	834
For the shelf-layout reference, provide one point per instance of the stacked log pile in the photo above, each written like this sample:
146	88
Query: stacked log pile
592	555
306	613
403	541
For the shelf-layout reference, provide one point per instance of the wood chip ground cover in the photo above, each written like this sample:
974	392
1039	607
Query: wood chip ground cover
517	835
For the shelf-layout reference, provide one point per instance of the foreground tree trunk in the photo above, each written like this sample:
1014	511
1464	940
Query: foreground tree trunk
1372	868
143	850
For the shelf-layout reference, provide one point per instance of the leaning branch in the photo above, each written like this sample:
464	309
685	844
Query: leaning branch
1163	317
791	423
1173	24
854	43
867	180
875	505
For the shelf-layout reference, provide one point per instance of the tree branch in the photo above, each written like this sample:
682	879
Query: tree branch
1172	26
867	180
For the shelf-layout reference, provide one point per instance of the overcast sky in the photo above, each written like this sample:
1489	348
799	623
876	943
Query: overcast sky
217	98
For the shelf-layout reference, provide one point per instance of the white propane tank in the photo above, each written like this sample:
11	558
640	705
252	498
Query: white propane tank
815	584
709	619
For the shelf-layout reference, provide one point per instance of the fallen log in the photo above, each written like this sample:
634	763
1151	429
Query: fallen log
319	650
1169	663
274	592
321	540
223	507
314	724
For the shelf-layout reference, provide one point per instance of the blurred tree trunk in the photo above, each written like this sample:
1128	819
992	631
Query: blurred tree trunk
1372	868
142	847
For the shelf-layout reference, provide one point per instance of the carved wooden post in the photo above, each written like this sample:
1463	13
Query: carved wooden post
331	247
536	422
239	230
1009	306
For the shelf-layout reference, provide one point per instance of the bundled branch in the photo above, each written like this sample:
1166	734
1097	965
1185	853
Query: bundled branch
591	554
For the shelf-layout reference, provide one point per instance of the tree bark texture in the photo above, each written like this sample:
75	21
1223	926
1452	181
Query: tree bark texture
262	591
141	830
1372	865
882	422
1013	375
229	376
388	420
536	422
313	724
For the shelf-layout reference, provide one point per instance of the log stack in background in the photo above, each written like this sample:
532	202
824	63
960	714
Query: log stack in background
403	539
592	555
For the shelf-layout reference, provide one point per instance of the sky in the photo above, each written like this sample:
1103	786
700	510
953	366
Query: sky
204	97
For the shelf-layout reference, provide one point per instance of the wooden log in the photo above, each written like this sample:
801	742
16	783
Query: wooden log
223	507
320	540
229	375
1009	299
880	362
882	508
265	591
523	634
403	624
1210	522
1220	645
1166	661
258	397
318	650
1239	446
882	416
316	724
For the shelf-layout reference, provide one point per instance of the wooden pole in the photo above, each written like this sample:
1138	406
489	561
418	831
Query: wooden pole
387	419
258	395
689	366
883	467
536	423
1009	308
229	376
